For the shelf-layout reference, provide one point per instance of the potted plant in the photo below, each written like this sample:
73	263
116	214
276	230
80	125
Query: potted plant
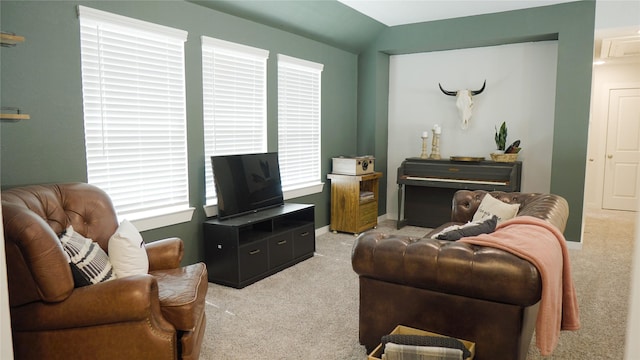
501	137
505	155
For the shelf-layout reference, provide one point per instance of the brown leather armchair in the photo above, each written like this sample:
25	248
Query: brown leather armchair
159	315
481	294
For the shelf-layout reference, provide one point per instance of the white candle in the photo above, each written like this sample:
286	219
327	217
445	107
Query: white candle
425	134
438	129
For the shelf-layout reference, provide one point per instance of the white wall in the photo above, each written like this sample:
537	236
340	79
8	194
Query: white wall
605	77
416	104
632	347
6	347
614	14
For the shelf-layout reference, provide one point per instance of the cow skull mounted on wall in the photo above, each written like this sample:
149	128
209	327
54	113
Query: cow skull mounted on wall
464	102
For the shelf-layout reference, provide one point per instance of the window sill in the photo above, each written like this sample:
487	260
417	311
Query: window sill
289	193
159	218
303	190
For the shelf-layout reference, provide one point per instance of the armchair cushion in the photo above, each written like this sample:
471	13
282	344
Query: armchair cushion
89	263
127	251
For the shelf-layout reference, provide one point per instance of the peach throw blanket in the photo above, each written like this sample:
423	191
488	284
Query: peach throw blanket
543	245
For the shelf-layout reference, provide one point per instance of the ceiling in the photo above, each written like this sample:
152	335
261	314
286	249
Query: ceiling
328	21
612	45
362	20
401	12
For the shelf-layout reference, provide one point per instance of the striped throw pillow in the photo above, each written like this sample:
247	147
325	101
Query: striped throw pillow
89	263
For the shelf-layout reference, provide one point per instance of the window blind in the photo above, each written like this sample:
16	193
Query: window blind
299	89
234	78
134	111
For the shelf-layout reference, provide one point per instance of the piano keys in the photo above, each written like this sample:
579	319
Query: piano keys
426	186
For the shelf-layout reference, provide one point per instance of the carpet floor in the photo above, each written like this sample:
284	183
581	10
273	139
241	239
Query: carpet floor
310	311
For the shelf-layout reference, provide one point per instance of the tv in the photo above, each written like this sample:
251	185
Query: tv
246	183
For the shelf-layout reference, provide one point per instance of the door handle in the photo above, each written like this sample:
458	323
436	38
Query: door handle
609	156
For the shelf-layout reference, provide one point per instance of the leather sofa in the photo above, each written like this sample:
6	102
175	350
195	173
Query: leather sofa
159	315
481	294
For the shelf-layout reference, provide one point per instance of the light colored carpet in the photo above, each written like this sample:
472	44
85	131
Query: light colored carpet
310	310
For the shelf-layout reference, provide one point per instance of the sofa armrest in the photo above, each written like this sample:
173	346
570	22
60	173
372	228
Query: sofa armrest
165	254
549	207
129	299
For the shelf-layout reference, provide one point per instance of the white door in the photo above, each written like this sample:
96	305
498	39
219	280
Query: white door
622	163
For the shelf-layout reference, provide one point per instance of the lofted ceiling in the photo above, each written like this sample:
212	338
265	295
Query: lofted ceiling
327	21
353	24
401	12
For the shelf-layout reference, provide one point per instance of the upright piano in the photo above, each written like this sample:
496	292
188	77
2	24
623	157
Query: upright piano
426	186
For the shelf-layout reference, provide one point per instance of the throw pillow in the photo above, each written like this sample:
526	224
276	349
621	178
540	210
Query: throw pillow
491	206
127	251
89	263
447	229
470	229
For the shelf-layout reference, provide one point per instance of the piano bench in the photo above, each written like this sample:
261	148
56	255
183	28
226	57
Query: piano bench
450	287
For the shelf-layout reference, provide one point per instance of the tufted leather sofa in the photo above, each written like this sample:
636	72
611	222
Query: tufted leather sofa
476	293
159	315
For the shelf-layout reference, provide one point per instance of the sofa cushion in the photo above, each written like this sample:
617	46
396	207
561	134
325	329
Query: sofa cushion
127	251
89	263
491	206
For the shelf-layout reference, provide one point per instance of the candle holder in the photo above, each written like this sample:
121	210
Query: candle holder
435	146
425	136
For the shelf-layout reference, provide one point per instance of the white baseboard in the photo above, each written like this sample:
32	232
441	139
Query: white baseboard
574	245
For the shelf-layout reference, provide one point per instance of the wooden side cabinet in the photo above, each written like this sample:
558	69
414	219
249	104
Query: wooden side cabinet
354	202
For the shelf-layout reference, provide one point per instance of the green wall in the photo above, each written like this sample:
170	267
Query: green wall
572	24
42	76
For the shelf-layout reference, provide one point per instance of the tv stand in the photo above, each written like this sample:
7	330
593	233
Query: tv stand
242	250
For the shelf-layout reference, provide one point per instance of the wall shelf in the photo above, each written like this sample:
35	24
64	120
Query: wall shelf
9	39
14	117
11	113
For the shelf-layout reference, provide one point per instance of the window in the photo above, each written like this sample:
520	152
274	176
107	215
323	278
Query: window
234	79
134	114
299	84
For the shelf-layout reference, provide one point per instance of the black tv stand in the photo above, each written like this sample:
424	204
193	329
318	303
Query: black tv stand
242	250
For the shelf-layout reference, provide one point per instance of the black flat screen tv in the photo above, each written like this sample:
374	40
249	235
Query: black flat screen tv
246	183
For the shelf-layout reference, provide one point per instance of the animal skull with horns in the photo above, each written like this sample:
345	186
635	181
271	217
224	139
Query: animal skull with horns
464	102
